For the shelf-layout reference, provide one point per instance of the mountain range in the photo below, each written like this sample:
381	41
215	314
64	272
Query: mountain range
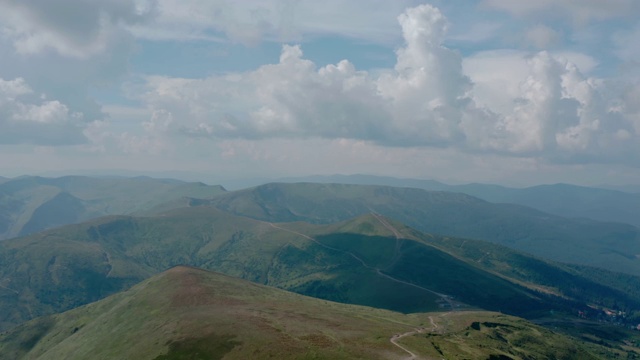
612	246
609	204
456	255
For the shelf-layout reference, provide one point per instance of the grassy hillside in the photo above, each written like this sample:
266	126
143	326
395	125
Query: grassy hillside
187	313
610	246
31	204
359	261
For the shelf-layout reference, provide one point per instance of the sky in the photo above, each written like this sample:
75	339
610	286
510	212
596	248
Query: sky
497	91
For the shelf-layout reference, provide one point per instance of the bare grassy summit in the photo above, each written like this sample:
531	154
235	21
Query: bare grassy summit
188	313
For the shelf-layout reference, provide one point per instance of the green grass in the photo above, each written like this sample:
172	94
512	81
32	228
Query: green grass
494	336
187	313
67	267
211	347
610	246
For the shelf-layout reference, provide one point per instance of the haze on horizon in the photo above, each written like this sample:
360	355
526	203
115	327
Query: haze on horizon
488	91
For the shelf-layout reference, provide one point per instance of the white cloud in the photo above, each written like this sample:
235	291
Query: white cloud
505	102
552	109
28	118
516	103
76	28
421	102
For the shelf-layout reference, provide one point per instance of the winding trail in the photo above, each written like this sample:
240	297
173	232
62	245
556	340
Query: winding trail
378	271
323	245
394	339
421	330
384	223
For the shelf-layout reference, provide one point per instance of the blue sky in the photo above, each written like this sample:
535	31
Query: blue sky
500	91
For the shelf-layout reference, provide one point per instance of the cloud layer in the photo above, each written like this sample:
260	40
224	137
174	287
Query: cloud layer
552	111
494	84
77	28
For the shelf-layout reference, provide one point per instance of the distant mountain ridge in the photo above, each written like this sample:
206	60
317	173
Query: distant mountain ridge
29	204
565	200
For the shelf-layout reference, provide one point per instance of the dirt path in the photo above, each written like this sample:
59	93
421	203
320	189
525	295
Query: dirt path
394	339
324	246
397	255
412	356
384	223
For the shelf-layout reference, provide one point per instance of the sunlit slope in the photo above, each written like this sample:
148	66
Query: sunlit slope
190	313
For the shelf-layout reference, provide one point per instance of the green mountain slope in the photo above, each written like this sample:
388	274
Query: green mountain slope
31	204
187	313
610	246
368	261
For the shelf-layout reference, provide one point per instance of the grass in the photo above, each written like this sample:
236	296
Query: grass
194	314
580	241
211	347
67	267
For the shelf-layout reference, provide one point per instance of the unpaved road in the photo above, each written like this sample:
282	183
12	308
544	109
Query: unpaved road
394	339
412	356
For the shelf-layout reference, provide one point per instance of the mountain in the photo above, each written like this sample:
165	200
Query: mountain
29	204
187	313
66	267
634	189
369	260
611	246
572	201
566	200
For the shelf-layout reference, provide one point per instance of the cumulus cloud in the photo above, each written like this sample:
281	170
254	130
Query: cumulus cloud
529	105
416	103
556	112
76	28
28	118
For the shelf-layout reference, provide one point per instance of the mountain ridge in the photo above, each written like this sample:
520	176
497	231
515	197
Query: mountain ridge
580	241
360	261
574	201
